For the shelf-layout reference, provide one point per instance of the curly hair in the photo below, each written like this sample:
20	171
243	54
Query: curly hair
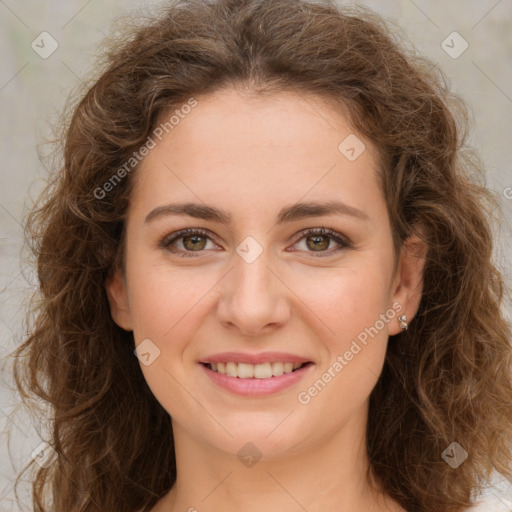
447	378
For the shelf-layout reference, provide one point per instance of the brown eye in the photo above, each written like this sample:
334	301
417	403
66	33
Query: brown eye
194	242
318	242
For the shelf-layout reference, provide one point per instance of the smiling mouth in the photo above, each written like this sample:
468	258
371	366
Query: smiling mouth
254	371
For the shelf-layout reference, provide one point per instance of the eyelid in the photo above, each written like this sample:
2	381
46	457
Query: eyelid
343	241
331	233
176	235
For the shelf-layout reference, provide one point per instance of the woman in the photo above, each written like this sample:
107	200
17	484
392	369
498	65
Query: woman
268	204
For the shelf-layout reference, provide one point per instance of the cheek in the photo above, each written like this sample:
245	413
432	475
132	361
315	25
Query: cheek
335	308
163	299
347	300
353	306
166	301
166	308
356	305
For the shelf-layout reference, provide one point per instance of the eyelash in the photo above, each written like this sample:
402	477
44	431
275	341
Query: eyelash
337	237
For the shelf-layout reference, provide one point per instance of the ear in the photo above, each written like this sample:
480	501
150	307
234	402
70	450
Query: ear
408	283
115	286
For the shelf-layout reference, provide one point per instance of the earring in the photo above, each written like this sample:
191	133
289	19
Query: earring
403	322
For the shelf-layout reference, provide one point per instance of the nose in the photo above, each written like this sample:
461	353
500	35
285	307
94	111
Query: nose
254	300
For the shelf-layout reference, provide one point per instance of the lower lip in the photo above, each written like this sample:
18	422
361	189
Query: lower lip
257	387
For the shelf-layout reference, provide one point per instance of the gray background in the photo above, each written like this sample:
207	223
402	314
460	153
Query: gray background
33	90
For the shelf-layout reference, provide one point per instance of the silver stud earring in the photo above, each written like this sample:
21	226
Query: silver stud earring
403	322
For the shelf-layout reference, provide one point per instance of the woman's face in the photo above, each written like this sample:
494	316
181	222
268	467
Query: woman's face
251	287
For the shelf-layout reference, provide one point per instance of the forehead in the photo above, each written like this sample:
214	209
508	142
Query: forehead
231	120
259	150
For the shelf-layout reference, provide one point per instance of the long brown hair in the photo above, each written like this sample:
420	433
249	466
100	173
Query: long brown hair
446	379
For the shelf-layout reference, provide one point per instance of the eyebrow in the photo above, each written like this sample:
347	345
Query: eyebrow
289	213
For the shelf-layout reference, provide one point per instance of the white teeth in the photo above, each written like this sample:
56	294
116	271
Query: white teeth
245	371
277	369
262	371
256	371
231	370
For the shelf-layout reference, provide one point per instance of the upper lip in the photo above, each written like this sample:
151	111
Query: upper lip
262	357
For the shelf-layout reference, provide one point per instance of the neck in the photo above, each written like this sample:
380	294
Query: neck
331	475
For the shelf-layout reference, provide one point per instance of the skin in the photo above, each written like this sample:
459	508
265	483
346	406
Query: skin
251	156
